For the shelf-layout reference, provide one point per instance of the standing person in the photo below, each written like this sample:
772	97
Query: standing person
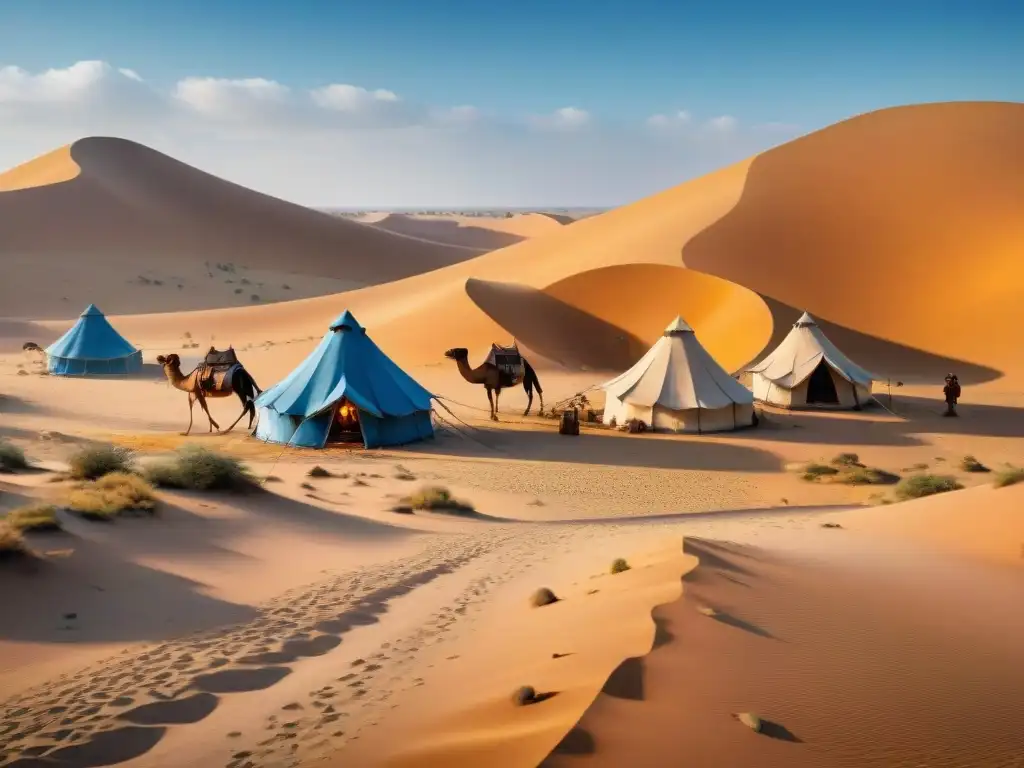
952	394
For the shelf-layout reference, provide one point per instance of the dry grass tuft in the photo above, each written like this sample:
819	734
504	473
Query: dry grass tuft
435	498
319	471
847	460
12	458
96	461
112	495
970	464
918	486
1008	476
619	565
33	518
524	695
846	469
12	543
196	468
542	597
401	473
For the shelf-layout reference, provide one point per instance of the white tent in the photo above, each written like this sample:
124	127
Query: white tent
808	370
678	387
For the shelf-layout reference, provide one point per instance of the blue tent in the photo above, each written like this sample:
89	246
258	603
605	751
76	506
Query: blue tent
346	372
92	348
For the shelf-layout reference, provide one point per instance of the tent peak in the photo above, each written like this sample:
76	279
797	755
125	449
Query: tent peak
90	311
804	321
346	321
677	326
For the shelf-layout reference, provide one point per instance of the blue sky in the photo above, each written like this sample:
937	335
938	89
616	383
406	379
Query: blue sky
800	64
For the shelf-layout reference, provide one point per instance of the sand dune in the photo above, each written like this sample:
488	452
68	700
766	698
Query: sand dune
886	680
484	232
417	317
134	212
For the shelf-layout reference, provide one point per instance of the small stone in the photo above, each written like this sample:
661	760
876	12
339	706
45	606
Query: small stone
752	721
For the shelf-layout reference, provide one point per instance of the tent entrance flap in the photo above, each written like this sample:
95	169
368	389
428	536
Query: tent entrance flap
821	388
345	426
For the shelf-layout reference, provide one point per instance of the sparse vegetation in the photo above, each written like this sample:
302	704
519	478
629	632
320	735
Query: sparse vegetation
813	471
94	462
12	543
254	297
619	565
238	290
401	473
33	518
114	494
846	460
196	468
12	458
916	468
524	695
272	479
970	464
1008	476
435	498
319	471
542	597
918	486
307	486
847	469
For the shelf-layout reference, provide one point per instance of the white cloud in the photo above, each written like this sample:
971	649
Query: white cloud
231	99
676	119
351	98
724	123
564	119
346	145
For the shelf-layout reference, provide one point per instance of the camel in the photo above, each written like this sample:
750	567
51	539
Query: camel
494	380
203	383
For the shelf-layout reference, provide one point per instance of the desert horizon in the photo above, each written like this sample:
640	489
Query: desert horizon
729	474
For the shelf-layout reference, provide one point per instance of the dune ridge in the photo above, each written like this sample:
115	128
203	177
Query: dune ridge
52	168
703	225
131	208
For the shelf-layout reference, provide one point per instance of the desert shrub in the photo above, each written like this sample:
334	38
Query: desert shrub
33	517
238	290
401	473
542	597
196	468
814	471
619	565
917	486
318	471
113	494
970	464
434	498
254	297
524	695
96	461
12	543
1008	476
847	460
12	458
865	476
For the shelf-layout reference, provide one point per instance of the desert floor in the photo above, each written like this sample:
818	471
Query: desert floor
309	622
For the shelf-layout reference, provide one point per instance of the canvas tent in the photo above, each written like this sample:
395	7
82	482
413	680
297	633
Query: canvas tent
92	348
346	389
808	371
678	387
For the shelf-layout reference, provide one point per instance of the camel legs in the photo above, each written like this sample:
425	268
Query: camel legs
202	401
490	399
191	406
529	400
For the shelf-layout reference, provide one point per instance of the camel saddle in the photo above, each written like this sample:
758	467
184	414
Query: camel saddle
510	364
218	369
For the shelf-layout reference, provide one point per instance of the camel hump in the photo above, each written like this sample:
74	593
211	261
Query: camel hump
219	358
509	363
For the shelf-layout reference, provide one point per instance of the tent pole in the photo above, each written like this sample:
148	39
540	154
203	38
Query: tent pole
698	421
